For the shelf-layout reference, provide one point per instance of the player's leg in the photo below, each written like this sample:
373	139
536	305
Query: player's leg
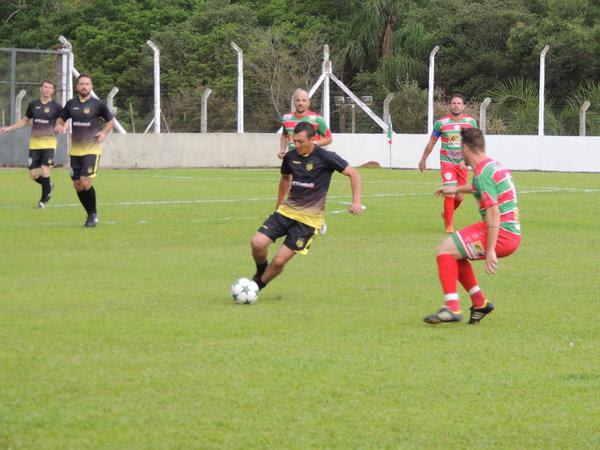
449	178
85	189
275	267
35	163
462	174
46	163
272	228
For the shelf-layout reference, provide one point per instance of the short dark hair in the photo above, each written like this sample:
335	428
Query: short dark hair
305	126
473	137
84	75
47	82
457	96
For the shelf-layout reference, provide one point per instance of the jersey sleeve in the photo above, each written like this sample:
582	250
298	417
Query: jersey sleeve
285	165
474	122
335	161
323	130
105	113
487	190
437	131
65	112
29	112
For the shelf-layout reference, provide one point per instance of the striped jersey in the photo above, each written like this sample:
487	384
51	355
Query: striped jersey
43	117
85	121
493	185
311	175
290	120
449	130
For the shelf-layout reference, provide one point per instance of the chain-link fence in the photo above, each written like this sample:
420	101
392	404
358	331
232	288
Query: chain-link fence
21	71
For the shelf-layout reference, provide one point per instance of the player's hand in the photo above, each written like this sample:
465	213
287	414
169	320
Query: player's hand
100	137
281	154
463	165
446	190
422	165
355	208
4	130
58	129
491	262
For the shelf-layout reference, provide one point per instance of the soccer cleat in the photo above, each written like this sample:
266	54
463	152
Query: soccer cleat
92	220
443	315
479	313
41	205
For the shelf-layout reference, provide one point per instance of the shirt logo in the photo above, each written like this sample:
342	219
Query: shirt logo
46	109
296	162
309	166
86	110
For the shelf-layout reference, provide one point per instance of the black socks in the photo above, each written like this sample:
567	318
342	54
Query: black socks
88	200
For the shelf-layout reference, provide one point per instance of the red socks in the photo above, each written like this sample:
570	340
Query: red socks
450	270
466	276
448	214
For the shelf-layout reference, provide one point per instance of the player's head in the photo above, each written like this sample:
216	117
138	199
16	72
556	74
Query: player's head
304	133
473	143
457	104
301	100
47	88
84	85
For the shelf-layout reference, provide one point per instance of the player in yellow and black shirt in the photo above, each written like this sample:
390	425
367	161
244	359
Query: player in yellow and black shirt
42	114
305	176
87	136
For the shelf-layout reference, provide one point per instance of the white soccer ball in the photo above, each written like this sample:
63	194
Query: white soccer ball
244	291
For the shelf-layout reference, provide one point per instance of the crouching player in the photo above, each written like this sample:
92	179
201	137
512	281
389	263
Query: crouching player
498	235
305	176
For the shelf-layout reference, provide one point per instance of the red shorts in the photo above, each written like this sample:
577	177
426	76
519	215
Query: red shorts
471	241
453	174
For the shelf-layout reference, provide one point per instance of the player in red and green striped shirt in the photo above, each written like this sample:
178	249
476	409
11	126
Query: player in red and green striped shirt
496	236
302	114
454	171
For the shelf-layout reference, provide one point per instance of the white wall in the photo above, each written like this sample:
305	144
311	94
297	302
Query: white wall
553	153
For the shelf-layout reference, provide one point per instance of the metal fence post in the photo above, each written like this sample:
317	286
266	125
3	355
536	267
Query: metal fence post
483	114
156	52
582	112
240	87
204	111
18	101
431	88
110	98
541	96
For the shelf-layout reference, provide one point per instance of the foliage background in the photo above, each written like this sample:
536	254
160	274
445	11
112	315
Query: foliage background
488	48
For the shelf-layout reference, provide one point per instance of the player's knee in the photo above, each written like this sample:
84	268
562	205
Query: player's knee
258	242
445	247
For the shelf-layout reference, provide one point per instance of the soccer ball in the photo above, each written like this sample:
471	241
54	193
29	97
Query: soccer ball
244	291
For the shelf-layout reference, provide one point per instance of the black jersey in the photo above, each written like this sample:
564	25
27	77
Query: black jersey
43	117
311	176
85	121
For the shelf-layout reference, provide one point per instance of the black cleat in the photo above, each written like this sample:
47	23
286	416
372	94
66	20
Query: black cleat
92	220
479	313
41	205
442	316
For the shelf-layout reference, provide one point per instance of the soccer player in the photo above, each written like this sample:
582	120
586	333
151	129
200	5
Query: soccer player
305	176
42	114
454	171
302	114
85	113
496	236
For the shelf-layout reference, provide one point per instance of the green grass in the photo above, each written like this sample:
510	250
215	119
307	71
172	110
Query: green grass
125	336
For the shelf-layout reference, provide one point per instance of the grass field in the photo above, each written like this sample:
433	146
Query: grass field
125	336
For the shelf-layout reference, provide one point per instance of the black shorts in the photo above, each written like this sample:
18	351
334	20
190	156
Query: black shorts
41	157
299	236
84	166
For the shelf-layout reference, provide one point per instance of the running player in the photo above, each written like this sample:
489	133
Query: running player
42	114
85	113
454	171
302	114
305	176
496	236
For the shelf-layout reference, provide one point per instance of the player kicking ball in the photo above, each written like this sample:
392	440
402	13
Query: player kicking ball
496	236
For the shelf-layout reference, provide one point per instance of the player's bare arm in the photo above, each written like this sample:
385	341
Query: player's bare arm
426	153
324	141
492	220
19	124
355	183
284	187
453	190
283	143
101	136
